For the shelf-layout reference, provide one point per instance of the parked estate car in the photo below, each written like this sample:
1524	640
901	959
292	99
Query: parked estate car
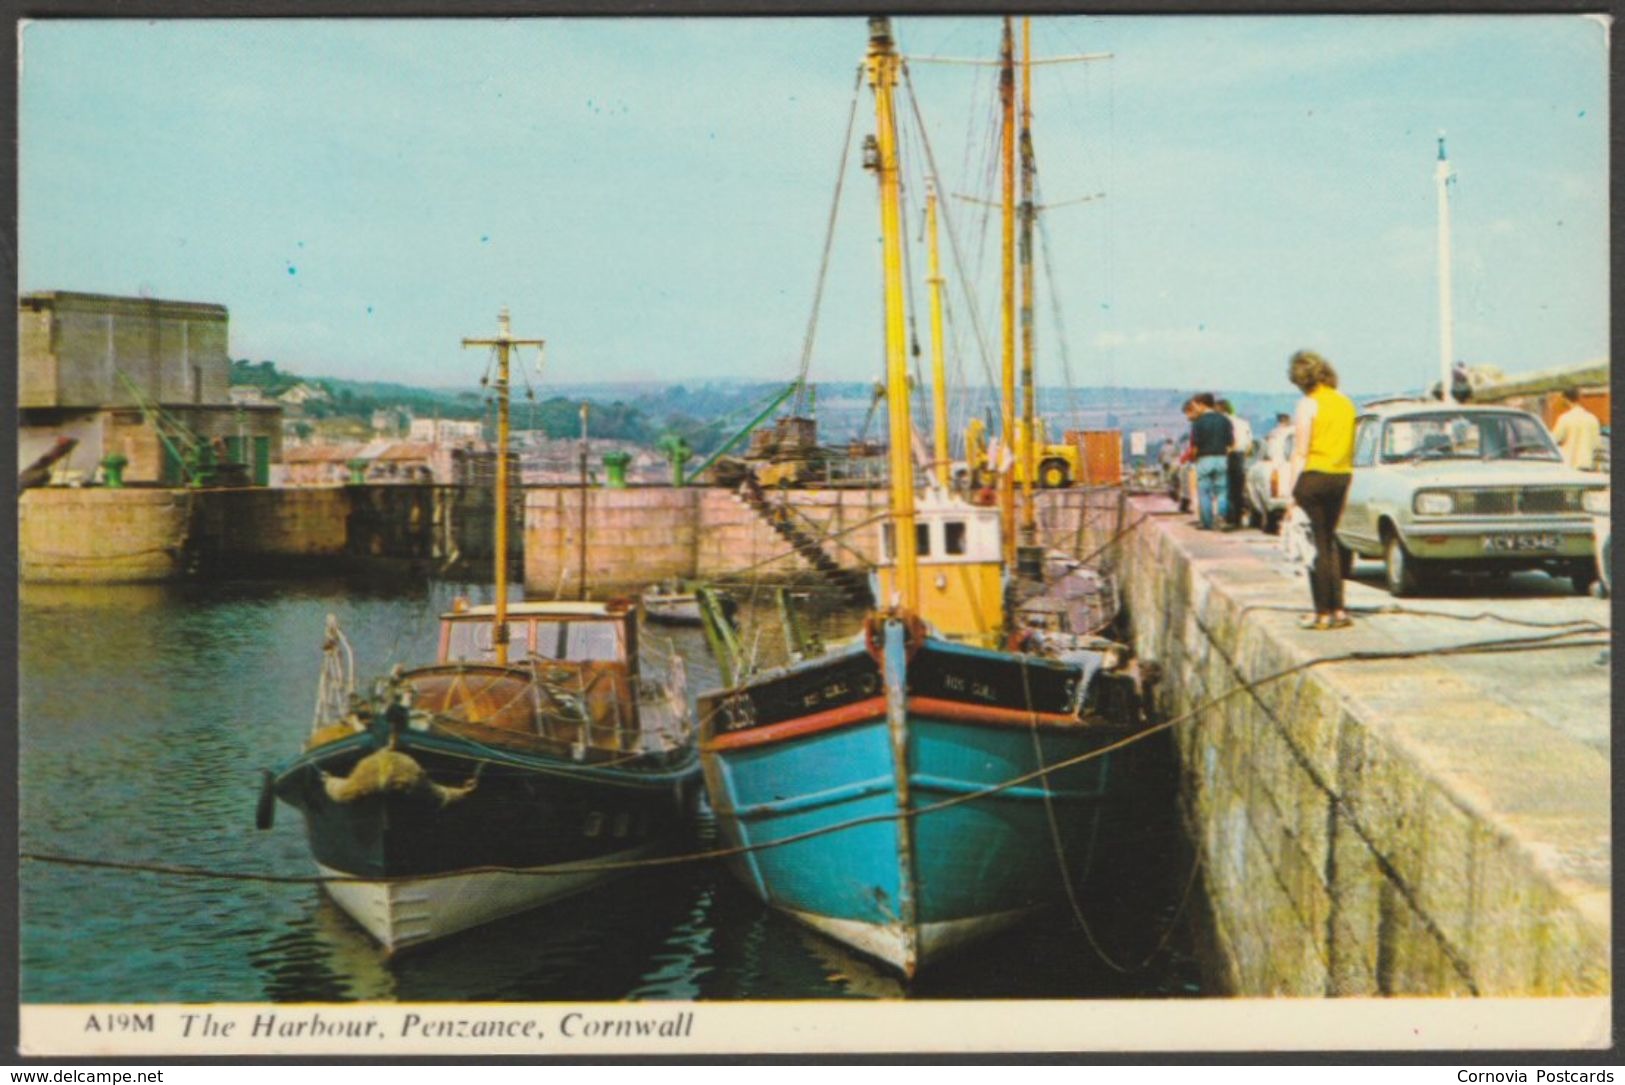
1269	481
1443	488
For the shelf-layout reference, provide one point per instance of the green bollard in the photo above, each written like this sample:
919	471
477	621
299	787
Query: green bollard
358	471
113	465
615	466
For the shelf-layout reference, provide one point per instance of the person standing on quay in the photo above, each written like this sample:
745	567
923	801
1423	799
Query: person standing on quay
1241	444
1323	463
1577	433
1211	435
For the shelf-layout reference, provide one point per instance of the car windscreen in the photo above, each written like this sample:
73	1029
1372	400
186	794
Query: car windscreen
1477	435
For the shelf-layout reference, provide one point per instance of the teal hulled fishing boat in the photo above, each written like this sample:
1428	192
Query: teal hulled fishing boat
943	776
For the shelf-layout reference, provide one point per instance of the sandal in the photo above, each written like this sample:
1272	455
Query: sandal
1340	622
1314	622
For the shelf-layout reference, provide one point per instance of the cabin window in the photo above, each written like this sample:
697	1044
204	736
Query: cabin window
578	640
953	537
593	640
471	641
593	825
922	540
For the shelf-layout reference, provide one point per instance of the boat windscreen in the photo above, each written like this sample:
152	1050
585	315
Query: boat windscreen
578	640
470	641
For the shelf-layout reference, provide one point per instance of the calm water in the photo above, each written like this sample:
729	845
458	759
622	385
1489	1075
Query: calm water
148	712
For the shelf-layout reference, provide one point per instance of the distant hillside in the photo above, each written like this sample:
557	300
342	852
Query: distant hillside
705	413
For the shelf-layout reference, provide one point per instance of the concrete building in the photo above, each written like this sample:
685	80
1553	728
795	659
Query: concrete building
445	431
99	368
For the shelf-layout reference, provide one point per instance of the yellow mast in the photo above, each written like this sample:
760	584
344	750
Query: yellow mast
503	341
939	375
883	64
1029	523
1007	97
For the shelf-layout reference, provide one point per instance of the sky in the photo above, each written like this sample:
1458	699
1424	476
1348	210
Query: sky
652	196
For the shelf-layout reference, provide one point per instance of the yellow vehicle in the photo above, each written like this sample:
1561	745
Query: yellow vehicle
1059	465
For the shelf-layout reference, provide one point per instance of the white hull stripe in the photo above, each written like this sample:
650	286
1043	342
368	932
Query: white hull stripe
885	941
411	912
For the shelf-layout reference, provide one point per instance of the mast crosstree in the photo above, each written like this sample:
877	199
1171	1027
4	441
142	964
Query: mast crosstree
504	341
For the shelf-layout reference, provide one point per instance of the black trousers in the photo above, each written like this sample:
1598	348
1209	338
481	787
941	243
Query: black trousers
1235	468
1321	495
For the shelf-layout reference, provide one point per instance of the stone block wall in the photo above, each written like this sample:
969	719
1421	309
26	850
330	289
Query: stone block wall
243	530
1339	854
633	537
102	536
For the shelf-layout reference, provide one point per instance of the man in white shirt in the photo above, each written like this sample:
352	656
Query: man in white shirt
1241	443
1578	433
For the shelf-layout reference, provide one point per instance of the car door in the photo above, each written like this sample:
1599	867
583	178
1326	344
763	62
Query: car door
1357	526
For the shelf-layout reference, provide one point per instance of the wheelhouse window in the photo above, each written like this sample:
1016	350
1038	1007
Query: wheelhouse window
578	640
470	641
922	540
953	537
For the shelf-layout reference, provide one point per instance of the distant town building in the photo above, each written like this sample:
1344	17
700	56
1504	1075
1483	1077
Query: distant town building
129	376
402	461
319	465
302	393
445	431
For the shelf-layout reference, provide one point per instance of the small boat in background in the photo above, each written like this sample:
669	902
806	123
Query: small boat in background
669	603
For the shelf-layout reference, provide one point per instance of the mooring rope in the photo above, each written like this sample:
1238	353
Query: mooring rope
1548	641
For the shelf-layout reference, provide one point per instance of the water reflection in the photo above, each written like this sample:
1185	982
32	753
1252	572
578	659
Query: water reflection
147	712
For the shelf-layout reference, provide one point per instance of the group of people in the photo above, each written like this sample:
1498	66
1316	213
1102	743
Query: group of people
1219	443
1322	464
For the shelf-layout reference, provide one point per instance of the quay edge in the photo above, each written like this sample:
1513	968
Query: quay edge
1428	826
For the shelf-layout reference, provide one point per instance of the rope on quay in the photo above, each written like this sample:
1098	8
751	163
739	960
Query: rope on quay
1544	642
1577	624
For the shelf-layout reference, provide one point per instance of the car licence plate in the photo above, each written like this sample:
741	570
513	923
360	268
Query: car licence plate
1519	543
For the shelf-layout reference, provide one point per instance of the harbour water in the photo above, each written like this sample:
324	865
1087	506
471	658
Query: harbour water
148	711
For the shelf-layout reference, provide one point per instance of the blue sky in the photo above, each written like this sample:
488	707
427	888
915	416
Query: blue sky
650	196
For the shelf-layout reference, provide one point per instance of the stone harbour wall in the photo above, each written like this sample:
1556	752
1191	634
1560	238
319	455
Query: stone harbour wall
1375	828
106	536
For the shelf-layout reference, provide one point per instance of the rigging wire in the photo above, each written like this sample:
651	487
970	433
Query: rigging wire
1062	343
798	404
948	227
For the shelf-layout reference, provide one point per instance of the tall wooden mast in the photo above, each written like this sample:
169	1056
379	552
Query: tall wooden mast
939	374
1007	491
503	342
1029	523
883	64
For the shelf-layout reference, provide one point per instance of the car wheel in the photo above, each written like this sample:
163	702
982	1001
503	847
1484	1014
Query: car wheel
1053	475
1581	577
1403	571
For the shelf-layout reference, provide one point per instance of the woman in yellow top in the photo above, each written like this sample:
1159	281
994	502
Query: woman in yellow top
1323	463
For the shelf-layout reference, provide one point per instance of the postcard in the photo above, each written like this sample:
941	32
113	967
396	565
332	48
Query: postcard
700	536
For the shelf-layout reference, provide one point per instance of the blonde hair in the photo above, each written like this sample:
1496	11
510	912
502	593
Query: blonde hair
1309	371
